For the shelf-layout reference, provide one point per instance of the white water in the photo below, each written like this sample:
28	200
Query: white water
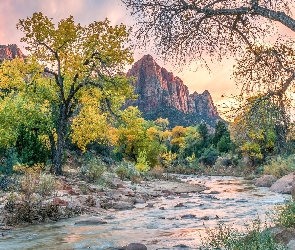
238	202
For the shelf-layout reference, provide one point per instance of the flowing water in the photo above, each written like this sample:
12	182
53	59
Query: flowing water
172	221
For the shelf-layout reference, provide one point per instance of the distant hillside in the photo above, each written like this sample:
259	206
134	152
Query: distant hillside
161	94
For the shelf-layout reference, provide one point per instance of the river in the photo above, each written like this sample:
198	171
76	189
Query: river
170	222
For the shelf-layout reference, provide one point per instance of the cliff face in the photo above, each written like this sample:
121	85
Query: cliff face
9	52
158	89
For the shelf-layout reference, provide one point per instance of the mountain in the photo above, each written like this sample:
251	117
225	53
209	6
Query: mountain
161	94
9	52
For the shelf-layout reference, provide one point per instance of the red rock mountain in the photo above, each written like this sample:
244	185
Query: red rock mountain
159	90
9	52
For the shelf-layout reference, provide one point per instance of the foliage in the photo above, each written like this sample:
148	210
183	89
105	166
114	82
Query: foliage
30	148
142	165
167	158
34	181
253	129
93	168
20	212
221	139
125	170
226	237
279	166
9	159
70	70
190	30
209	156
285	214
156	172
7	183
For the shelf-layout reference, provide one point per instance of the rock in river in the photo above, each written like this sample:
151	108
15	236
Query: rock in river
90	222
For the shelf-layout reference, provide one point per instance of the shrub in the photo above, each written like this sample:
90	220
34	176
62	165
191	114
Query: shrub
142	164
209	156
30	212
30	148
226	237
280	166
157	172
34	180
93	169
7	183
122	172
9	160
125	170
285	215
47	185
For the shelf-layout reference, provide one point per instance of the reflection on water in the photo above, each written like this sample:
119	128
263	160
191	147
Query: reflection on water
230	200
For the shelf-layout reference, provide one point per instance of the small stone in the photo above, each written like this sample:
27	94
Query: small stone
150	205
179	205
242	200
214	192
110	217
120	185
181	246
188	216
184	196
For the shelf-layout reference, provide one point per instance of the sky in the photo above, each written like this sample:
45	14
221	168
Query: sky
218	81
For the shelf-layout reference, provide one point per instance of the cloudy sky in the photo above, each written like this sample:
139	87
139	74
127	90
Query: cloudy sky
218	82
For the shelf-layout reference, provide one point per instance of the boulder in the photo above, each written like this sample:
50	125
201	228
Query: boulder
90	222
265	181
122	205
136	246
283	185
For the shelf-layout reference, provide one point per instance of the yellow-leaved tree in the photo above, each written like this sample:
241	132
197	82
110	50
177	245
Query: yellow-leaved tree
72	78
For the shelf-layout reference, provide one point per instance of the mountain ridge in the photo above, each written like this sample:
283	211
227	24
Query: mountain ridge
159	90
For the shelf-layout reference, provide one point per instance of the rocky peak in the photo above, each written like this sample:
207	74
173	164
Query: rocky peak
9	52
157	89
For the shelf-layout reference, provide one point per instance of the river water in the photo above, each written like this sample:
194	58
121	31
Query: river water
172	221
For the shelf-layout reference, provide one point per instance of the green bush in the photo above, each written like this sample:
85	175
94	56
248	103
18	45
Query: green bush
93	169
254	237
280	166
30	148
126	170
209	156
285	215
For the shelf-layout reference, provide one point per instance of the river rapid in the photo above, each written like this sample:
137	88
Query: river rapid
166	223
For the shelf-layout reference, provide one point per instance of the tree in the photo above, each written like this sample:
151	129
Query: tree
253	129
273	84
189	30
193	29
75	70
221	138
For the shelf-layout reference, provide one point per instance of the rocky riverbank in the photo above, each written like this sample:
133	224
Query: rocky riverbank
75	196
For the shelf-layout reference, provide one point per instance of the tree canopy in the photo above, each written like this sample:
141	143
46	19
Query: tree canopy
72	71
194	29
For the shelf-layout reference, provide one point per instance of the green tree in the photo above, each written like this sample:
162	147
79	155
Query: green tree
71	70
221	139
253	130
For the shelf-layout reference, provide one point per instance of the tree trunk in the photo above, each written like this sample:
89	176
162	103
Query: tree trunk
60	145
